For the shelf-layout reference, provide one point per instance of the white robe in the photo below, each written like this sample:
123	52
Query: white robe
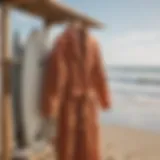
32	69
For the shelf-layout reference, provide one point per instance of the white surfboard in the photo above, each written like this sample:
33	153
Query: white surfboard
32	70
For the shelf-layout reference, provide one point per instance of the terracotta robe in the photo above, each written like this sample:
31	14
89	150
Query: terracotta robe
74	87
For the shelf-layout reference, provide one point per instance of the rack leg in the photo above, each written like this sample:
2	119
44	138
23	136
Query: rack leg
6	87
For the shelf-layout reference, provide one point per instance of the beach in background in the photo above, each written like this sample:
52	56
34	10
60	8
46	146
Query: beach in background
135	93
130	129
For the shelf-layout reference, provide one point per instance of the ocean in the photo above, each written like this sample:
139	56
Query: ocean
135	92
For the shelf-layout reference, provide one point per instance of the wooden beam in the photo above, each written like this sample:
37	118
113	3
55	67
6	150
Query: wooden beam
56	12
6	86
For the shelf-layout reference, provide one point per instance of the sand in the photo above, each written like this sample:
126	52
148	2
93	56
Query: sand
122	143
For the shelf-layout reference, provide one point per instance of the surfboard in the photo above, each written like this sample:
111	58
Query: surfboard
32	72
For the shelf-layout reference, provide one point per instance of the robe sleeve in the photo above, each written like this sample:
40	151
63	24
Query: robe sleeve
100	79
54	81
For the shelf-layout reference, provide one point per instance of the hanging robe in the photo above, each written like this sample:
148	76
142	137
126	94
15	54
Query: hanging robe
74	87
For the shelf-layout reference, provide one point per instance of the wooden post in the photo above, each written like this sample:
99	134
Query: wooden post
6	86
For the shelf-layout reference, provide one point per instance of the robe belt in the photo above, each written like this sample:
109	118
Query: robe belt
88	93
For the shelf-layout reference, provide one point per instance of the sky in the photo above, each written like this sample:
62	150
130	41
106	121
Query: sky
131	34
131	37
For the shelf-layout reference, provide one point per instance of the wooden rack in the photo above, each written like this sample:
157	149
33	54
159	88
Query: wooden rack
51	12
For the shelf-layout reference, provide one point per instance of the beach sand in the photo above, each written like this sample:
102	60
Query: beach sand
122	143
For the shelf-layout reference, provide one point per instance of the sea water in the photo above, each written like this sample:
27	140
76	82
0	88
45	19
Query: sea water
135	92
